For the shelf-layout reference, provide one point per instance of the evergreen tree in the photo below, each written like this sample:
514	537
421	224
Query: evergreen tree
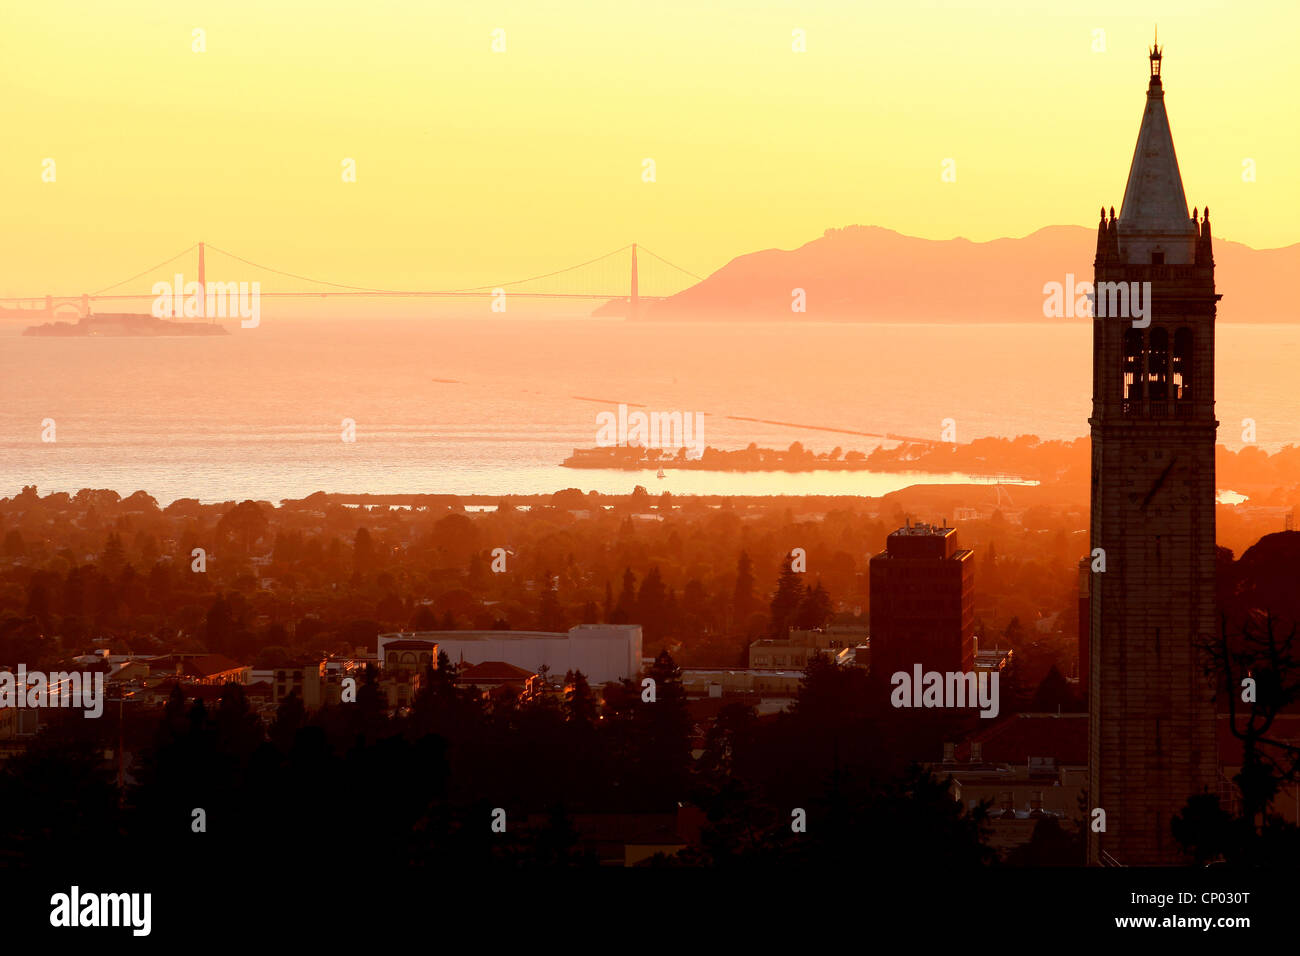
579	701
363	552
650	606
549	616
289	717
626	607
114	557
220	626
785	602
814	611
14	545
742	598
662	739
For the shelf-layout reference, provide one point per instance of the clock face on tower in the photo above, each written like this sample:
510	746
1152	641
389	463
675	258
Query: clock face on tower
1158	486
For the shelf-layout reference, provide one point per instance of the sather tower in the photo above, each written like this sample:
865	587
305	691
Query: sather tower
1152	740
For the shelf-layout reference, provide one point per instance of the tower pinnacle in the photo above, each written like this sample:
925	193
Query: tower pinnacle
1153	218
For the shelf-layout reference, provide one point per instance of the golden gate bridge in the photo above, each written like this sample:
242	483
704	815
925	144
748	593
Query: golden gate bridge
606	277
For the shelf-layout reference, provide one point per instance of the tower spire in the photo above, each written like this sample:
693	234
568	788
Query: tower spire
1153	218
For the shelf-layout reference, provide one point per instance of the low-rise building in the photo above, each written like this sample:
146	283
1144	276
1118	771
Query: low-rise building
200	668
493	677
1025	767
795	650
603	652
305	679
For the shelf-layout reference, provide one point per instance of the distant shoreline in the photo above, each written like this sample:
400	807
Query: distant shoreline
320	500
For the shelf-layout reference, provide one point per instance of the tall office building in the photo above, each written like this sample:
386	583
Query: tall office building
922	602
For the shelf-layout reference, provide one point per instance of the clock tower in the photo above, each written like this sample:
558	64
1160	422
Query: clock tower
1152	725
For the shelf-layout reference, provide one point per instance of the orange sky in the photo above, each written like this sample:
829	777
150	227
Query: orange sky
475	166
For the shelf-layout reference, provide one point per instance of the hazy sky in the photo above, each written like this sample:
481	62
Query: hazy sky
474	166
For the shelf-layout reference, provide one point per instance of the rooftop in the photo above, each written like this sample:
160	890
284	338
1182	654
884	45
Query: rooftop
198	665
582	630
1023	737
921	528
493	671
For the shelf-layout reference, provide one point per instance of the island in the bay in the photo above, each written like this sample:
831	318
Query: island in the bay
1025	457
123	324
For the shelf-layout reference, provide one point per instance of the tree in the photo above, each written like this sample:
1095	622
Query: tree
1257	671
1054	695
814	611
650	606
742	597
272	656
569	499
785	602
14	546
220	625
626	606
238	730
479	574
436	707
363	552
662	730
289	716
1015	632
549	616
423	619
245	523
579	701
114	557
1051	844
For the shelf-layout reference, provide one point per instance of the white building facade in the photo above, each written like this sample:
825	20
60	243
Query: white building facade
603	652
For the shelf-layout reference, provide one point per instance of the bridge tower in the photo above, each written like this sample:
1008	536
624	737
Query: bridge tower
634	302
203	284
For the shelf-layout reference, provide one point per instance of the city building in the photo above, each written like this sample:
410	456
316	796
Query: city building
1152	743
337	670
305	679
923	601
794	651
199	668
493	677
407	655
725	681
1026	767
603	652
989	660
